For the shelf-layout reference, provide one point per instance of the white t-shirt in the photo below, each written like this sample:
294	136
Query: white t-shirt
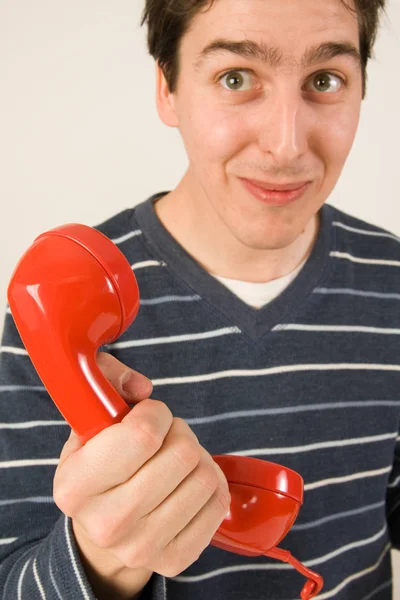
259	294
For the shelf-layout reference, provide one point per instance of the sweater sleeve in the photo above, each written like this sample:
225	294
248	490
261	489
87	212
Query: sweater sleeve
39	557
393	499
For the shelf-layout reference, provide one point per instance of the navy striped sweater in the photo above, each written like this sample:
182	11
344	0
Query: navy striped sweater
311	380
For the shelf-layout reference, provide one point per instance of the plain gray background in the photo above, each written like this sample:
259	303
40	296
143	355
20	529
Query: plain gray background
80	138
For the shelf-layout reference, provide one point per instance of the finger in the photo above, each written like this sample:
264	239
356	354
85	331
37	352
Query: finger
193	511
140	495
117	452
202	529
180	507
132	385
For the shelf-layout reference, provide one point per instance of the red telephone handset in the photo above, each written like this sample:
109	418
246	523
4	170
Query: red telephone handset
73	291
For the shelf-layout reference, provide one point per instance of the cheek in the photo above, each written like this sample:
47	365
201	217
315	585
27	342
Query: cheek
212	135
337	136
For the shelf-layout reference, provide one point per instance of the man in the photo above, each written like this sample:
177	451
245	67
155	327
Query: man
267	327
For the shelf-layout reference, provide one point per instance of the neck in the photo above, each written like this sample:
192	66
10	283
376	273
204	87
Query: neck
200	233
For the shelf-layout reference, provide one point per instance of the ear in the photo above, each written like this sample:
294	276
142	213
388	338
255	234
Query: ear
165	101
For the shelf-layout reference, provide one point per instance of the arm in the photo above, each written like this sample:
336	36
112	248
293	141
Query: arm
39	553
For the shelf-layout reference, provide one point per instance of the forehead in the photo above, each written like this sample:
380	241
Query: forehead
294	33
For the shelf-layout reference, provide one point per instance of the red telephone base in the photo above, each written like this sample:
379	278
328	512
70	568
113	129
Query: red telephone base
265	501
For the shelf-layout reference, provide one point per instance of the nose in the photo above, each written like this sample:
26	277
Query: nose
284	125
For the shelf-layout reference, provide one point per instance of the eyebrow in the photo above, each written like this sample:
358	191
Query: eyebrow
274	57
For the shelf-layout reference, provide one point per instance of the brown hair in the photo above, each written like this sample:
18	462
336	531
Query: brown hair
169	20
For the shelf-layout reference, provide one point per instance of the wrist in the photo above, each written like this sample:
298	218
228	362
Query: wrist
108	577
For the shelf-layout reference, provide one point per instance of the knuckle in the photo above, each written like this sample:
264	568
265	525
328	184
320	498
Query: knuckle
139	555
101	537
223	482
104	361
224	499
207	477
177	560
180	423
100	357
181	427
147	434
162	407
65	498
171	566
171	571
224	488
187	451
103	531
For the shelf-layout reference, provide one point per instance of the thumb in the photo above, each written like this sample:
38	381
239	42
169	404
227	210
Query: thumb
130	384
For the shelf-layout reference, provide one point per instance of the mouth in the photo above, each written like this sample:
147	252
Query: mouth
276	194
277	187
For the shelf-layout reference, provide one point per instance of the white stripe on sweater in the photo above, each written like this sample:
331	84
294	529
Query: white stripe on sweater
267	567
53	580
38	582
21	578
336	328
358	544
36	462
275	371
346	478
151	341
365	261
13	350
378	589
362	293
238	414
283	410
394	483
163	299
36	499
337	516
365	231
176	338
332	593
22	388
5	541
148	263
126	237
73	560
318	446
30	424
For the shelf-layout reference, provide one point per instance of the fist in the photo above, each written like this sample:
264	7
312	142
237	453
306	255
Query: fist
143	493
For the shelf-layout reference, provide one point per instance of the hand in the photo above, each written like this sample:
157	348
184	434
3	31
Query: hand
143	494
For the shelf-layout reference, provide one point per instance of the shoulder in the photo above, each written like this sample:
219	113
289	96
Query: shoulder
355	234
118	225
125	225
125	230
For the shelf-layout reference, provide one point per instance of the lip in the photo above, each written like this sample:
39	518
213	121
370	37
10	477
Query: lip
277	187
274	197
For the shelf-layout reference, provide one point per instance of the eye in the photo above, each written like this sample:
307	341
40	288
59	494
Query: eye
327	82
236	79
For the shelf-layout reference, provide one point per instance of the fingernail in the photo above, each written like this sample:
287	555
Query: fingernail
125	379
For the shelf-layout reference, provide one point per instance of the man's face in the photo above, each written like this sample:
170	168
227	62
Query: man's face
241	117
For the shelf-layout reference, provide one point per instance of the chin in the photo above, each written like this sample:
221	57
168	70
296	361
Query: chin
268	240
275	234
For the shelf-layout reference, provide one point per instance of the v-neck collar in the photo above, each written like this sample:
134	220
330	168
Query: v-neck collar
253	322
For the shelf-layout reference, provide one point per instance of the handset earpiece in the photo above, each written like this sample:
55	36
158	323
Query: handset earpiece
74	291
